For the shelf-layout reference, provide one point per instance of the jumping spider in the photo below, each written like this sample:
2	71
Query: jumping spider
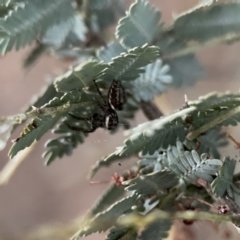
108	118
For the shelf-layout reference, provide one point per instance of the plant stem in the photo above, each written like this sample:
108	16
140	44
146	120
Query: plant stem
140	221
199	46
150	110
37	112
194	134
236	177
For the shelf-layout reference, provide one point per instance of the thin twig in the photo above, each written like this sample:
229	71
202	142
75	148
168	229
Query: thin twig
194	134
37	112
9	169
199	46
150	110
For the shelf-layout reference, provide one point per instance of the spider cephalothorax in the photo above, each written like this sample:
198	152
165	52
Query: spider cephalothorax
108	117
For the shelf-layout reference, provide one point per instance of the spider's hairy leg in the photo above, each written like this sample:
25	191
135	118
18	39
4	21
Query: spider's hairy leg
81	129
99	92
79	118
75	128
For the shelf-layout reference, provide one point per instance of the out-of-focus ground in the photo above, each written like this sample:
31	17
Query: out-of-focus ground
39	195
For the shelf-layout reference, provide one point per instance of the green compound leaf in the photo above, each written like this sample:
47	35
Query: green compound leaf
140	26
32	133
224	181
80	77
214	109
111	195
112	50
64	145
212	141
125	233
156	230
105	162
152	83
15	28
104	220
69	139
40	125
128	66
153	183
151	136
208	22
34	55
185	70
109	9
189	165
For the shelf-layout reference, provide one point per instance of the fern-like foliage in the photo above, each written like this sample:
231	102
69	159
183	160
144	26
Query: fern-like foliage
209	22
23	25
33	132
153	183
156	230
64	145
187	165
110	196
104	220
212	141
128	66
106	8
140	26
40	125
79	77
215	109
112	50
224	181
152	83
190	166
200	116
150	136
122	233
179	65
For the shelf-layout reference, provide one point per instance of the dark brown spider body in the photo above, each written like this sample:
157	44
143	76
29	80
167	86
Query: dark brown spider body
108	118
116	95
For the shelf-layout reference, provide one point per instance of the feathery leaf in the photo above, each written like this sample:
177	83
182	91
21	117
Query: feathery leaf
211	141
112	194
153	183
156	230
207	22
128	66
224	181
150	136
190	166
112	50
151	83
80	77
23	25
140	26
104	220
123	233
33	132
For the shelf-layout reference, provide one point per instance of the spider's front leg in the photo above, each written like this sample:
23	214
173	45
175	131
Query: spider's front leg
74	128
79	129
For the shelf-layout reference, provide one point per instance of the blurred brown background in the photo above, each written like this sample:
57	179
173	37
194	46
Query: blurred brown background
39	195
